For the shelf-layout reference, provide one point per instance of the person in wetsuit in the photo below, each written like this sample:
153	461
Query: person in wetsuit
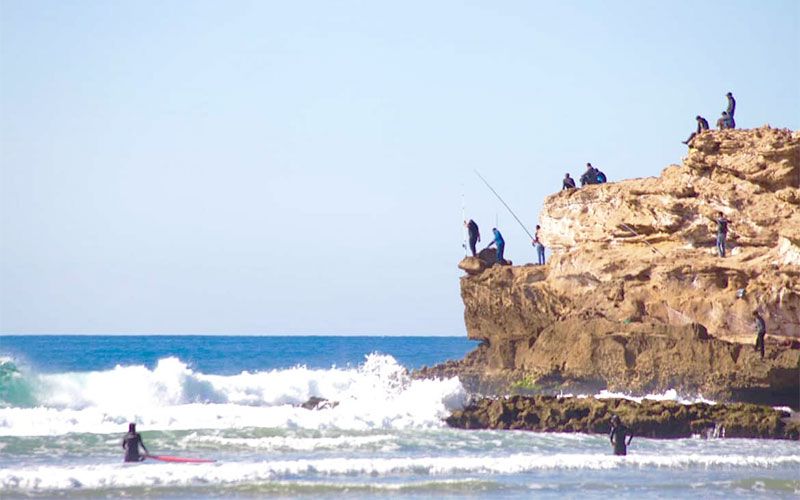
617	436
474	235
761	331
131	443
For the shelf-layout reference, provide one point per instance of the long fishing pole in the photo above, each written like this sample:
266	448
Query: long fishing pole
654	249
504	203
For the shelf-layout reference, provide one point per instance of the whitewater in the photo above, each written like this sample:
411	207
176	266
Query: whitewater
65	405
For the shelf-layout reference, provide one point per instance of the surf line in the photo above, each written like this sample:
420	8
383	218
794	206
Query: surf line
504	203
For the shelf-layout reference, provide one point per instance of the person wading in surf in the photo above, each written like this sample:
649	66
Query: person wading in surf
618	434
131	443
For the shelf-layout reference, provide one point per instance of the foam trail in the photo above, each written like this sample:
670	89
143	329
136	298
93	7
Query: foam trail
49	478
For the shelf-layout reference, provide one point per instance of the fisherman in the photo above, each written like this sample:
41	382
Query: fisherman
539	245
618	434
761	331
725	121
131	443
702	126
590	176
500	243
569	182
731	105
474	235
722	233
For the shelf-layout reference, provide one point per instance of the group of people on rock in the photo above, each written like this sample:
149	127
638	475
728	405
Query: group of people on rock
474	235
592	175
725	121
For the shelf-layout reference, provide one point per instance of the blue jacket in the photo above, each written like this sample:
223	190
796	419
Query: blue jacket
498	238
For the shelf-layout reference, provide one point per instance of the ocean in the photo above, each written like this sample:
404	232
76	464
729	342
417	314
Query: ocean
65	403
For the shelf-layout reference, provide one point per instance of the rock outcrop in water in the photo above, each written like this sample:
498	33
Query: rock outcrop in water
634	297
653	419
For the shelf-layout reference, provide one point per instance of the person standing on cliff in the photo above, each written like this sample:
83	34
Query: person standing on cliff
617	436
702	126
474	235
761	331
569	182
539	245
500	243
731	105
722	233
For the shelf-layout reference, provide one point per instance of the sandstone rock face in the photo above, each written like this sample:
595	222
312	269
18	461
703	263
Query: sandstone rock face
635	298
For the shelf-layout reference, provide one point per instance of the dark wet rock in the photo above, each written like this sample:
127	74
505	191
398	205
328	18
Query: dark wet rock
652	419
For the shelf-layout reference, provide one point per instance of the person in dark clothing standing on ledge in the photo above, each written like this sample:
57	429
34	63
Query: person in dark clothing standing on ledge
702	126
722	233
474	235
731	105
569	182
500	243
618	434
131	443
761	331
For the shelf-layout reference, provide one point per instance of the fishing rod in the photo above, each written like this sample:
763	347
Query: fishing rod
504	203
654	249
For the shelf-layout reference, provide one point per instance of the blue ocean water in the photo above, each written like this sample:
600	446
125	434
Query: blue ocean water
65	403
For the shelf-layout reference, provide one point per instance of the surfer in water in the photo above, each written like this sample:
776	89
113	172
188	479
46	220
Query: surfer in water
131	443
618	434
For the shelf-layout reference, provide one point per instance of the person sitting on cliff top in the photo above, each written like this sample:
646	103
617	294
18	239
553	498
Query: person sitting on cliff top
702	126
618	434
590	176
569	182
761	331
725	121
501	245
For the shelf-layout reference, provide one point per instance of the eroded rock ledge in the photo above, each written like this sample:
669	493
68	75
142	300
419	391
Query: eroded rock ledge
653	419
634	298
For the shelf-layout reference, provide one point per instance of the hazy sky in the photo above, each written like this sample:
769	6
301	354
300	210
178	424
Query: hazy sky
298	167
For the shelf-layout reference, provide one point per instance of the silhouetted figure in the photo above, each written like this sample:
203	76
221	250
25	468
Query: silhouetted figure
131	443
539	245
761	331
617	436
590	176
722	233
731	109
600	176
702	126
474	235
569	182
500	243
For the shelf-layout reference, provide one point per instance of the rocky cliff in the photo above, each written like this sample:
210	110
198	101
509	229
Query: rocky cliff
634	297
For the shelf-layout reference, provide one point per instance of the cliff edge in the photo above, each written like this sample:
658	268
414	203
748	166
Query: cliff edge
634	297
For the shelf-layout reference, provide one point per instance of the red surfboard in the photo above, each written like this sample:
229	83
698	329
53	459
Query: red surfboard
168	458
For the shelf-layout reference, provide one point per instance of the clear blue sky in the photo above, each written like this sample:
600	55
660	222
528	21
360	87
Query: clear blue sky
298	167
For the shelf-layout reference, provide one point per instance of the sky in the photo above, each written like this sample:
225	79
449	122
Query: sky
282	168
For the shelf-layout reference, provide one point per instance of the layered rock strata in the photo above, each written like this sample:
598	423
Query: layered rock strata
634	297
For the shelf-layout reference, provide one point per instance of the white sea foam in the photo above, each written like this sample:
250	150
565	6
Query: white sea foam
49	478
378	394
669	395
